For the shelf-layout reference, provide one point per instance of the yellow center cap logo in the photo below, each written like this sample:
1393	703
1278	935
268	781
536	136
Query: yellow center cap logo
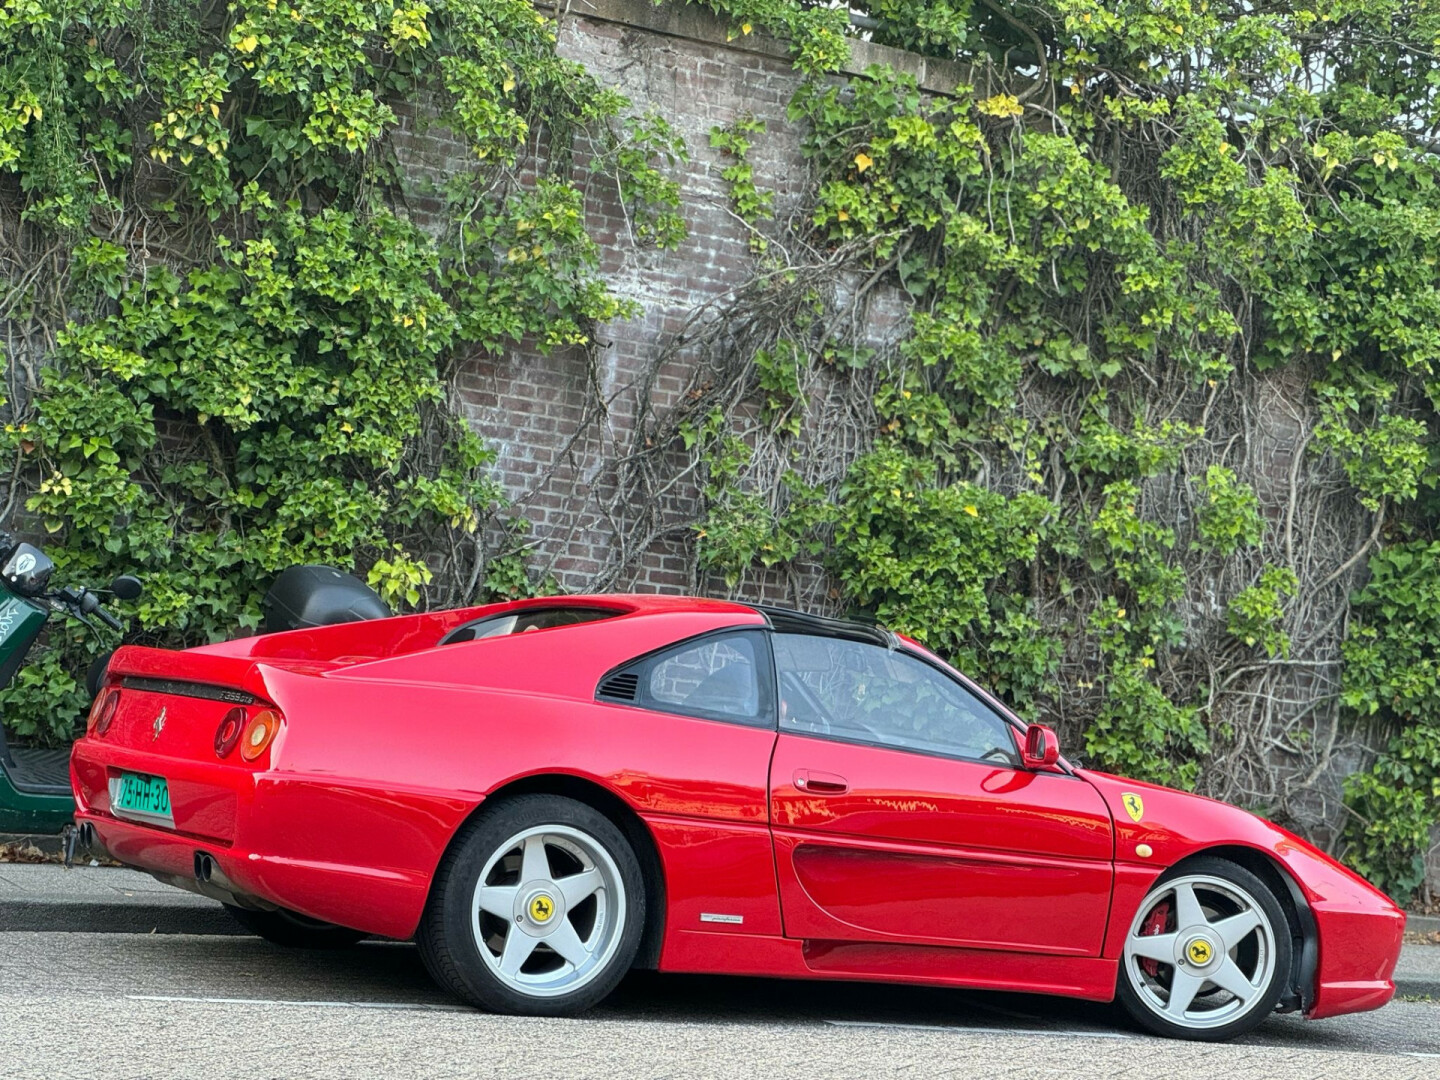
541	908
1199	952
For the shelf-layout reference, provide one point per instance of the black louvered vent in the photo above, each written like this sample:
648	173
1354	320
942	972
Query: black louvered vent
622	687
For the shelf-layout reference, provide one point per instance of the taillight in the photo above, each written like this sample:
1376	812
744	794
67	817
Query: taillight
228	733
259	733
103	711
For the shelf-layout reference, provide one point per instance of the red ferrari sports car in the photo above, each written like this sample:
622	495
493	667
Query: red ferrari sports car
547	793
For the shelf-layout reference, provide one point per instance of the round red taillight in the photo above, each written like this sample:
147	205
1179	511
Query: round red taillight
103	711
259	733
228	733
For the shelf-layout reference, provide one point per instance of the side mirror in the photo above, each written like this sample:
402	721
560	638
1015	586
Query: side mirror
126	587
1042	747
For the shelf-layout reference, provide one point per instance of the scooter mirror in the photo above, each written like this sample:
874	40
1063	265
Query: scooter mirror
126	587
28	570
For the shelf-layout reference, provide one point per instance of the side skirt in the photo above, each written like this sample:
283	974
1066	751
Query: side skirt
698	952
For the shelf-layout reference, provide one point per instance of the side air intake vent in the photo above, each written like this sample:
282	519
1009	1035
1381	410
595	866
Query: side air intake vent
622	687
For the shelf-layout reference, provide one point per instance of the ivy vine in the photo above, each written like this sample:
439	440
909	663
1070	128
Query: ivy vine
233	309
1160	396
1140	230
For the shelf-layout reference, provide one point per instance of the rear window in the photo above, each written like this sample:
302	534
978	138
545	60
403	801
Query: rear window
522	622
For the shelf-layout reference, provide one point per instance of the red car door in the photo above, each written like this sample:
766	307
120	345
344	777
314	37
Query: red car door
901	814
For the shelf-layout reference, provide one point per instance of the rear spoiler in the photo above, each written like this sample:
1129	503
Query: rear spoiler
201	669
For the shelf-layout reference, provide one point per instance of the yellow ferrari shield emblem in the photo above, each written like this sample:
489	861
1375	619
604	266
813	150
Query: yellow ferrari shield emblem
1134	805
1199	952
541	908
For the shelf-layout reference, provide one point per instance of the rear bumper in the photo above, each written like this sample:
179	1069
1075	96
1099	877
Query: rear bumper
387	903
343	851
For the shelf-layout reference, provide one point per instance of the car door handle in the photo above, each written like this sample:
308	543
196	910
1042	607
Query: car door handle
820	783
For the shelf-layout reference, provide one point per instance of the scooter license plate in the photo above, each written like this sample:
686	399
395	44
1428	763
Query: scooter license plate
144	798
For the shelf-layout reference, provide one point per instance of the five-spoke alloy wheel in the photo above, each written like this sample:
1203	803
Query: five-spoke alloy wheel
538	908
1208	953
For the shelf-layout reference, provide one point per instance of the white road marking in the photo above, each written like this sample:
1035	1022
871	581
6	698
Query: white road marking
402	1005
982	1030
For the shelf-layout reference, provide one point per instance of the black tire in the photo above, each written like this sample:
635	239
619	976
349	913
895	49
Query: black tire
1267	995
448	943
294	931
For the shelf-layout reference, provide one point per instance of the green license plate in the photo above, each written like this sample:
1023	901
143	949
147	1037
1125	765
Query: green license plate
139	796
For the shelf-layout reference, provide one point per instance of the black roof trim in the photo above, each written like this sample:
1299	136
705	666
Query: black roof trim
790	621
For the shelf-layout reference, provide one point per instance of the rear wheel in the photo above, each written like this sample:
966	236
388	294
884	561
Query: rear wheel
293	930
1208	954
537	909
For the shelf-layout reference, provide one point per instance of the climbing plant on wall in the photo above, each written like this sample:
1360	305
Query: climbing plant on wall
1130	224
1162	399
230	331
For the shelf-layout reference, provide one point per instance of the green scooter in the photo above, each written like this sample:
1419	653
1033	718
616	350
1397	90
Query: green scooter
35	783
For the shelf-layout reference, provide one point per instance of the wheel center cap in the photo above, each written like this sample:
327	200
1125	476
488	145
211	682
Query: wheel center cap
539	909
1200	951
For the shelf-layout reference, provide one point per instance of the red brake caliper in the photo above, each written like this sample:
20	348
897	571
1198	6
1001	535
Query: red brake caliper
1156	924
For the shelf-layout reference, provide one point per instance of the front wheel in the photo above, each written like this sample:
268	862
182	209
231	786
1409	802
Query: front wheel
293	930
1208	954
537	909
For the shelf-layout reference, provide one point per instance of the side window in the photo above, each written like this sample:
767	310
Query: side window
856	691
715	678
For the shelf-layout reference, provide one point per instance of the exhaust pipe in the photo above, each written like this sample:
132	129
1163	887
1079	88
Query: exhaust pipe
83	839
212	880
207	879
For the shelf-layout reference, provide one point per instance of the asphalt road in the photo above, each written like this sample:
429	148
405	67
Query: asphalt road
120	1006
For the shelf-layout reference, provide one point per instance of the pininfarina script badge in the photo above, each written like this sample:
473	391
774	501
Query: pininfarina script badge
159	725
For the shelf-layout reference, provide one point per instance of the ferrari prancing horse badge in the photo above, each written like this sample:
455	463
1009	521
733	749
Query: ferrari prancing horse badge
1134	805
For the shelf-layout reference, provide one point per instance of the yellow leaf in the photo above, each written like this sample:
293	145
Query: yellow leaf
971	511
745	28
508	85
863	161
1378	158
842	215
1001	105
215	110
248	43
1120	614
347	428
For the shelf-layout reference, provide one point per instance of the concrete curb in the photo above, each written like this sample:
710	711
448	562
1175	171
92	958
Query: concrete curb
19	916
1410	986
1423	924
47	842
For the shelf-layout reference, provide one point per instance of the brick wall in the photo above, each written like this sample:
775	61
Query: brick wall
540	412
